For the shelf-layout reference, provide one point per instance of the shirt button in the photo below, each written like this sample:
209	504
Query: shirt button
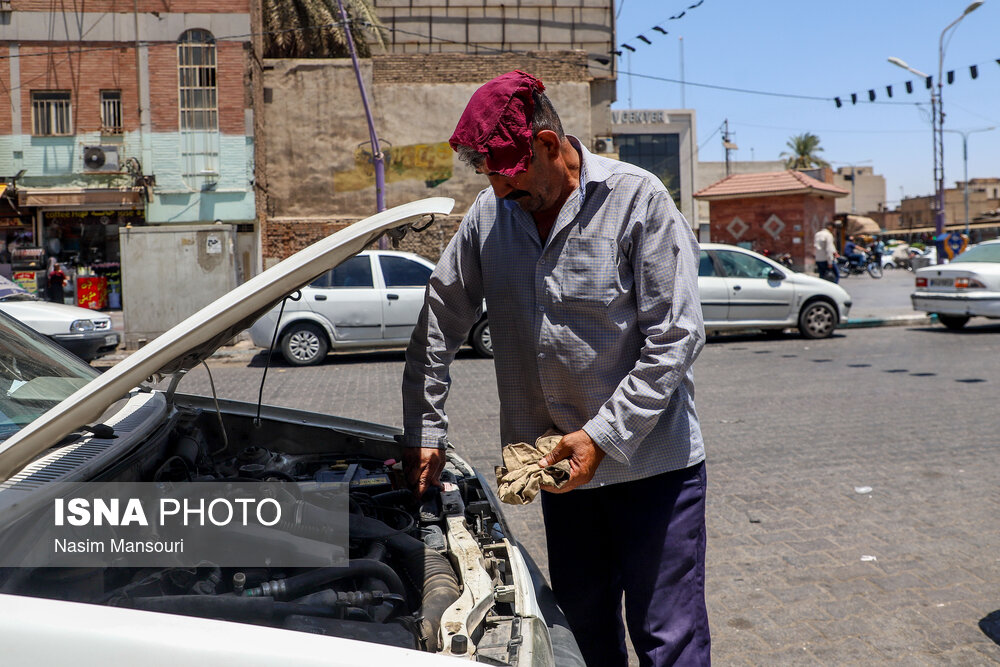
541	309
552	399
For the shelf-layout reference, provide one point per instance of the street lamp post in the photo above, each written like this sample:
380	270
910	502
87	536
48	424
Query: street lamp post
937	120
965	166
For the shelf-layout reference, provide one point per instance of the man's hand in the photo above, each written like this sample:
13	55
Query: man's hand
583	455
423	466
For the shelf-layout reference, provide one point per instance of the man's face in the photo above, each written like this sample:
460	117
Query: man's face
536	189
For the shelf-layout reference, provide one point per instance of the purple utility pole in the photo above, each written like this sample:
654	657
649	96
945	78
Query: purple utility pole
377	157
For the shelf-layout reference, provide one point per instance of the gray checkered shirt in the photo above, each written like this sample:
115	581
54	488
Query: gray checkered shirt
596	328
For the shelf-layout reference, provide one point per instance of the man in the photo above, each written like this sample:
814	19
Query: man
852	252
826	252
590	275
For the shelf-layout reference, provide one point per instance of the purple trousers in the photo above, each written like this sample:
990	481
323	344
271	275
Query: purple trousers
645	539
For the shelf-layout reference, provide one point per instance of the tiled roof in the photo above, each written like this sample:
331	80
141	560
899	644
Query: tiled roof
769	183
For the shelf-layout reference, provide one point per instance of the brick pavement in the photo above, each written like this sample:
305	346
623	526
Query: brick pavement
852	482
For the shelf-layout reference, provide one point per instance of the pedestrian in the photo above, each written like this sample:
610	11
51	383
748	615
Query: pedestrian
826	252
590	275
57	278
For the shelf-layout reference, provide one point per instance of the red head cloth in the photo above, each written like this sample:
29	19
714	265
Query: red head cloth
497	122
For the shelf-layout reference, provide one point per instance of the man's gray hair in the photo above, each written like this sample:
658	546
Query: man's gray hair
544	118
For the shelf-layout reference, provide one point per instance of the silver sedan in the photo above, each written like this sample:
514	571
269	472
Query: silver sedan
743	290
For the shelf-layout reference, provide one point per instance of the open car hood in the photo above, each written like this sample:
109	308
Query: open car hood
187	344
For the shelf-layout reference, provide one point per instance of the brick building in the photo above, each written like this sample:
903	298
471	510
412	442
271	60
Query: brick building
123	114
774	212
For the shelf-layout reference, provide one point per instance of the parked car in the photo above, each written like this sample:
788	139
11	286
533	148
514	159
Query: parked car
85	333
371	300
740	289
969	286
444	578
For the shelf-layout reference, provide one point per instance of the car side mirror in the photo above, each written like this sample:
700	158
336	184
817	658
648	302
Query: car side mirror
775	275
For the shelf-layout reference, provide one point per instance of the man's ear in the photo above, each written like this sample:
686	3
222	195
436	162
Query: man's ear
548	141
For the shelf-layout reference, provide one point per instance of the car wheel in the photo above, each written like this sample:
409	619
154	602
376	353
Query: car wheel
953	321
817	320
480	339
304	344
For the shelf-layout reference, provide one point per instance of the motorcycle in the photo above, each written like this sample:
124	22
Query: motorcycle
856	268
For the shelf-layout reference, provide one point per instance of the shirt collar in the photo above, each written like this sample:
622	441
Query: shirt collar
592	171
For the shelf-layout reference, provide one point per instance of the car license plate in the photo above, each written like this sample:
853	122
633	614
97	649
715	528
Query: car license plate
111	339
942	282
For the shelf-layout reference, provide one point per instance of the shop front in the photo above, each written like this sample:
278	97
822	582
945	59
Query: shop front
85	244
75	234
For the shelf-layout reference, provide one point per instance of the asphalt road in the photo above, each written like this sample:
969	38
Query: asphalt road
852	484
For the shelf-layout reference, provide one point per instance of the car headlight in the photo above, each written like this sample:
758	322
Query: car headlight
79	326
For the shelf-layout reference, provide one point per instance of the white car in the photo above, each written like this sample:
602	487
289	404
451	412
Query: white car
423	583
371	300
969	286
741	289
85	333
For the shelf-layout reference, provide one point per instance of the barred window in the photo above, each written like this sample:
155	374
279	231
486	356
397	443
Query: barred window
111	112
51	113
198	93
198	108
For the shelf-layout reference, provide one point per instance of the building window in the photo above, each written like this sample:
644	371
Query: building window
658	153
111	112
199	109
51	113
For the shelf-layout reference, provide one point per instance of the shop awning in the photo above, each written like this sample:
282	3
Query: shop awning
954	227
85	198
859	224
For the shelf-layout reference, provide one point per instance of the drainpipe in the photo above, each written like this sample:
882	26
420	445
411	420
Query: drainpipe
377	157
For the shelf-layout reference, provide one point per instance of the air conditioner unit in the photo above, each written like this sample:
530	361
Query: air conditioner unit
100	158
604	145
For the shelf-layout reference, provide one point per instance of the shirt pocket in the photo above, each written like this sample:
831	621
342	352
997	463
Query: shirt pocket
590	270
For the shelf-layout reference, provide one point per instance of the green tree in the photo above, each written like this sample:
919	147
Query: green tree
804	147
313	29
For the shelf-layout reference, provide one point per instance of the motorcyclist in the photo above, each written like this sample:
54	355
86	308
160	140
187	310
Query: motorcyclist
853	252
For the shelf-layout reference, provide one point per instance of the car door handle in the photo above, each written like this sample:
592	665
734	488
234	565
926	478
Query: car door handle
736	288
321	297
392	297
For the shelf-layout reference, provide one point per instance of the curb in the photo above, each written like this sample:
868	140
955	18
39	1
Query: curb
895	321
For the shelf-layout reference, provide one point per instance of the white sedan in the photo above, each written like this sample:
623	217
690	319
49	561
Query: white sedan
969	286
743	290
85	333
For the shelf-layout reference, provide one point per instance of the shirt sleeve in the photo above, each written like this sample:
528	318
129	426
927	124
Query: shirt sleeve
452	305
664	261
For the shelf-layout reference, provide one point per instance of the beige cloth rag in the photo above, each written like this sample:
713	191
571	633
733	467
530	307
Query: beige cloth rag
520	479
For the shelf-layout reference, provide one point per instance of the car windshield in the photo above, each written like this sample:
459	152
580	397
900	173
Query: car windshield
35	375
11	291
989	252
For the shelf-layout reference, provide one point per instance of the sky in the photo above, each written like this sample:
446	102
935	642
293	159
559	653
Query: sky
822	49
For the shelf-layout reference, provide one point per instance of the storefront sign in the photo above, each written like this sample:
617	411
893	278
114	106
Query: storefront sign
27	280
638	117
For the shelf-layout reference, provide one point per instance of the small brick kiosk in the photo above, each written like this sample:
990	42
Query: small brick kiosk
771	212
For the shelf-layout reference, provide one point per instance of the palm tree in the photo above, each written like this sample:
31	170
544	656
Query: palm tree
313	29
804	148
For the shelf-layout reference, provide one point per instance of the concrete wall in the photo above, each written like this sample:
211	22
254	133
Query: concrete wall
161	264
319	177
866	187
489	27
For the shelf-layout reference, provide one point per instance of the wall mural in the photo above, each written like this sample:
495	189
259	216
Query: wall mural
431	163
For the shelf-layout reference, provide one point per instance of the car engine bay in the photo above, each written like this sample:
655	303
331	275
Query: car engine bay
434	576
